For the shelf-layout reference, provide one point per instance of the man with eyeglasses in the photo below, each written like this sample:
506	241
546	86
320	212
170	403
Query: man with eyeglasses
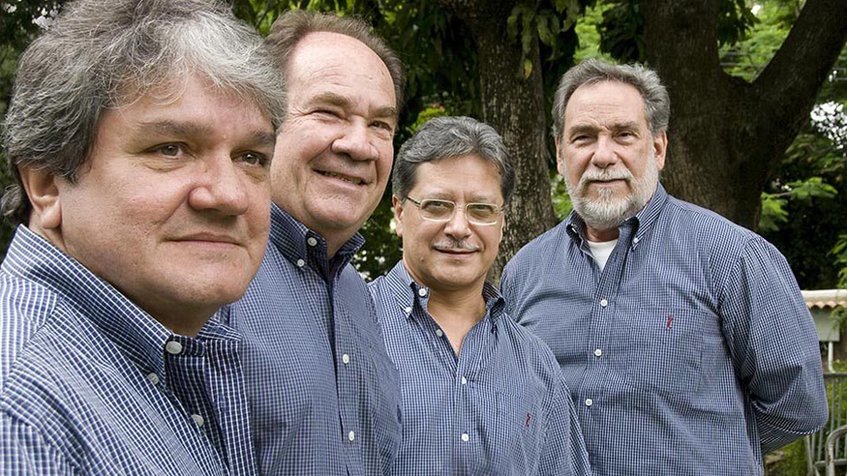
480	395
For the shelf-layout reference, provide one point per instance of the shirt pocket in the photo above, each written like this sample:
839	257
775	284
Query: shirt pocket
664	350
520	427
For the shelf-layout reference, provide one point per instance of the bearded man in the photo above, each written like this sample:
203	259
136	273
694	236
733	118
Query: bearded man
683	337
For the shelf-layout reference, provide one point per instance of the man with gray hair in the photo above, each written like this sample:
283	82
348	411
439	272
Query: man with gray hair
481	395
683	337
140	134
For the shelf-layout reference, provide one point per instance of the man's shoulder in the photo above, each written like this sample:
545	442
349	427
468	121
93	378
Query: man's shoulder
528	347
25	309
542	245
704	225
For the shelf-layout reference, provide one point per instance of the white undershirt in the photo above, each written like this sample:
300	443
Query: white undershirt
601	250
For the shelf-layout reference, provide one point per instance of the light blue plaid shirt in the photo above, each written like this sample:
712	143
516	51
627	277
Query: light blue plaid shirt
91	384
324	396
692	352
500	408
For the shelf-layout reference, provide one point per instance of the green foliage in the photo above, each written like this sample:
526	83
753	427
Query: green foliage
622	28
748	54
839	251
588	34
622	31
789	460
801	191
561	200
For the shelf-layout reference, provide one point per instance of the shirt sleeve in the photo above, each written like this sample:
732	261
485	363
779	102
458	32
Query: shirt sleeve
774	346
23	451
564	451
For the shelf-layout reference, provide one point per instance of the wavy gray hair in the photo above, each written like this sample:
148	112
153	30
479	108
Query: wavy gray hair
657	104
101	54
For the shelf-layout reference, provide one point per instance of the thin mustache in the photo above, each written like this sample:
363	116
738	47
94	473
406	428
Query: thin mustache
455	246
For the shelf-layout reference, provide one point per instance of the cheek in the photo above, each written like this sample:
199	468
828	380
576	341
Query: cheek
383	166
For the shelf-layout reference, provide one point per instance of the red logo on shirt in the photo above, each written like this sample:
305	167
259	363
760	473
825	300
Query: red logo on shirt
528	420
669	322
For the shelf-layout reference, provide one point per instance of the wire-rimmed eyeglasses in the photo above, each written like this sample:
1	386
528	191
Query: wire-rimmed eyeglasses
435	209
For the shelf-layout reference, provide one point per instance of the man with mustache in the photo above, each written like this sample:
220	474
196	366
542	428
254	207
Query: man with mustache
481	395
683	337
140	134
324	394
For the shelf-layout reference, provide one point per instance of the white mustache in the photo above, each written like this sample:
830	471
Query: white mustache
603	176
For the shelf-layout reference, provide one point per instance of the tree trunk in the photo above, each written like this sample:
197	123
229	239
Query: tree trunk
512	103
727	136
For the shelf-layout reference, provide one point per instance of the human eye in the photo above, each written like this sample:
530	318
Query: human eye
383	125
437	208
327	113
168	150
580	138
255	159
482	211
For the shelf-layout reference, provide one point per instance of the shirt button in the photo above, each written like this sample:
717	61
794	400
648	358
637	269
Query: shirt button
198	419
465	437
464	381
346	359
598	352
439	332
604	303
351	436
421	292
312	241
635	240
173	347
153	378
589	402
301	263
408	310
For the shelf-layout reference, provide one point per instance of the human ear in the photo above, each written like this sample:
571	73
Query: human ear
397	207
43	193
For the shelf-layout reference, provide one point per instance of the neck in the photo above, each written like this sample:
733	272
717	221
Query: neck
601	236
456	312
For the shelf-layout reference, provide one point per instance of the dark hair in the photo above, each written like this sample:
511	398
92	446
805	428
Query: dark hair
101	54
450	137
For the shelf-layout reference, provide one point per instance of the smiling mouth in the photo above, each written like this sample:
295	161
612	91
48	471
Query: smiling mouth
456	251
346	178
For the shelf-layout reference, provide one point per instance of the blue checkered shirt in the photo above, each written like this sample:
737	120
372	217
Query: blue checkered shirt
91	384
500	408
692	352
324	395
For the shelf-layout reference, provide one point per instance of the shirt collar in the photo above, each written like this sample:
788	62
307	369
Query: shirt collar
297	242
407	293
643	221
135	332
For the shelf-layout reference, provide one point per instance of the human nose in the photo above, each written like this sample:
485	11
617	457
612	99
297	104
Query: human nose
605	154
220	187
457	226
356	142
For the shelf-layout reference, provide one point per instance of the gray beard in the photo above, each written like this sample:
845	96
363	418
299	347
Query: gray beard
608	212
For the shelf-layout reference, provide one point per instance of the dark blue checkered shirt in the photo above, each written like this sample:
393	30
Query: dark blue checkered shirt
324	395
692	352
500	408
91	384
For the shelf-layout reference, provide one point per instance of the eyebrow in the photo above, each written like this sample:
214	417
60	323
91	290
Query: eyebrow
618	126
187	129
167	127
